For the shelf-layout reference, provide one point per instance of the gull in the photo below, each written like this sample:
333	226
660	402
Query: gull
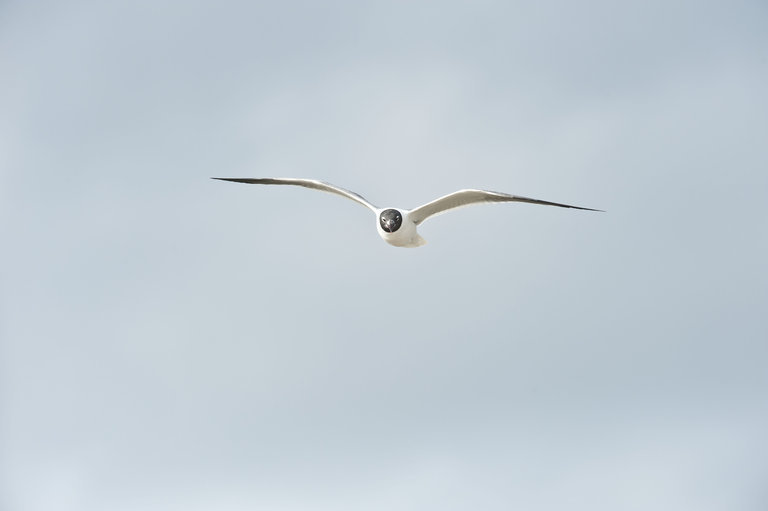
397	226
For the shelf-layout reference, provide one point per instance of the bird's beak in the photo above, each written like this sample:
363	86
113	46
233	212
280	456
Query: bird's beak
390	225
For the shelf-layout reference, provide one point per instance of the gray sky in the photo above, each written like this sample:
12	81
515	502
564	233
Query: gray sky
171	342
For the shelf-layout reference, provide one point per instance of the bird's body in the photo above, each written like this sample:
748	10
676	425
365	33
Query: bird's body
398	226
405	236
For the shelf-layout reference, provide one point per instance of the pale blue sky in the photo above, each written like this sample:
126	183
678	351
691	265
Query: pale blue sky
171	342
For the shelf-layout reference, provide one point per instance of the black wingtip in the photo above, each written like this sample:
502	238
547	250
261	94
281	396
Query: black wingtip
586	209
246	180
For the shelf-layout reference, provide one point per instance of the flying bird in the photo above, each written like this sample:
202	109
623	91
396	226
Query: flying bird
397	226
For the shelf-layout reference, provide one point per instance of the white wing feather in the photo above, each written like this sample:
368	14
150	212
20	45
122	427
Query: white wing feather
468	197
306	183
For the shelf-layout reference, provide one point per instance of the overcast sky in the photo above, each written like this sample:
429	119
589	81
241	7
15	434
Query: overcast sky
169	342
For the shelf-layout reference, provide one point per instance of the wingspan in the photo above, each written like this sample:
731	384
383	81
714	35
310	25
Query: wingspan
468	197
306	183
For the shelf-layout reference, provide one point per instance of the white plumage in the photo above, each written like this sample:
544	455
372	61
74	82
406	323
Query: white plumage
397	226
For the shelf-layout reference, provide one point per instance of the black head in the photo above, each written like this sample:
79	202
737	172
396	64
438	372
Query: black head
390	220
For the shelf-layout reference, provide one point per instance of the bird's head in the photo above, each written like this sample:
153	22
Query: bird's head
390	220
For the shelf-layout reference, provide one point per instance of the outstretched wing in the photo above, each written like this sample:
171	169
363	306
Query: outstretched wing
306	183
467	197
